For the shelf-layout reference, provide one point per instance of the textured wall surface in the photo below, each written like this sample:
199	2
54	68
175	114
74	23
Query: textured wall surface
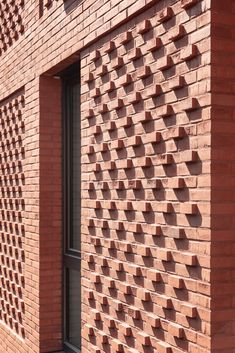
146	191
12	257
11	22
157	174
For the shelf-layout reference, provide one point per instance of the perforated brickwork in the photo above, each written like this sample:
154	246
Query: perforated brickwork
12	204
45	5
145	160
11	22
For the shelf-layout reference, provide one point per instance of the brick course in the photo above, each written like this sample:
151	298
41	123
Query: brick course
155	201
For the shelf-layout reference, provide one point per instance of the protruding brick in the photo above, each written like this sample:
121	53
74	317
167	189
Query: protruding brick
101	70
164	63
102	108
176	82
134	184
185	4
117	62
109	86
143	294
88	77
134	97
154	275
143	72
95	55
166	158
188	310
144	339
125	80
190	104
144	26
134	54
175	330
165	14
188	52
188	156
154	44
164	255
109	47
125	37
175	282
117	144
94	93
188	208
154	90
176	33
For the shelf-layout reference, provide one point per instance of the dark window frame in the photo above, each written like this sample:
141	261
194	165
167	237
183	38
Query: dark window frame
71	257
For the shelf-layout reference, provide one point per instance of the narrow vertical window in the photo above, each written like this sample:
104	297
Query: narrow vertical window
72	209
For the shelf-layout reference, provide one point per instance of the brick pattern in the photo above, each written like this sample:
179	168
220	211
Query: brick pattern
50	218
11	22
136	302
46	4
146	191
12	205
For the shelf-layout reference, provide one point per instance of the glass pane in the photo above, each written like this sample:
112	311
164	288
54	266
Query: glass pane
74	308
75	242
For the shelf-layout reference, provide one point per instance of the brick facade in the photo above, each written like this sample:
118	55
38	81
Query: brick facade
157	174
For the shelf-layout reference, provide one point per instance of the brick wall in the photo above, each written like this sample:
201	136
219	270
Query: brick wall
222	178
146	184
11	19
157	203
12	245
50	215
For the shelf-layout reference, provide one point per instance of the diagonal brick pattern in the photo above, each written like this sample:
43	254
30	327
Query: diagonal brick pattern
146	191
11	23
12	205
